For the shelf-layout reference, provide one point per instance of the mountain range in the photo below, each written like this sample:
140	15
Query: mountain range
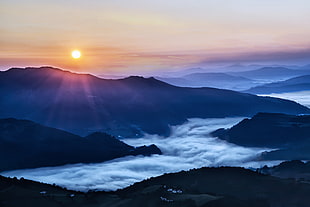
83	103
255	76
215	80
271	73
300	83
288	135
25	144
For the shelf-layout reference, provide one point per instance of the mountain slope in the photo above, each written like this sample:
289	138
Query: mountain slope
205	187
300	83
236	187
288	134
269	130
289	169
25	144
82	103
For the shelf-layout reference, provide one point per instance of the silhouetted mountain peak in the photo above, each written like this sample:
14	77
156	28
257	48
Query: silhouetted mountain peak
287	165
26	144
15	130
36	69
57	76
135	77
10	123
82	103
268	130
142	81
300	83
289	169
46	71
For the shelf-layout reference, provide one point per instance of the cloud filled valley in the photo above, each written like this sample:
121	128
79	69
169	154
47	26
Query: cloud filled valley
189	146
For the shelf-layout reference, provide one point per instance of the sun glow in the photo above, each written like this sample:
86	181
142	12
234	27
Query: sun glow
76	54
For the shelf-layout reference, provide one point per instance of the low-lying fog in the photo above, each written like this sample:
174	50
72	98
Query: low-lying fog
189	146
302	97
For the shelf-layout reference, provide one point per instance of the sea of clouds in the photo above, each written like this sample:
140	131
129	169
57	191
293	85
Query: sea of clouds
189	146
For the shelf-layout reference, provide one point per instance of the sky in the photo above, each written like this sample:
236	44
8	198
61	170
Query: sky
141	36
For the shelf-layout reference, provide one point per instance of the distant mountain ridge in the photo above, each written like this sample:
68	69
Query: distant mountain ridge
300	83
25	144
82	103
272	73
215	80
239	80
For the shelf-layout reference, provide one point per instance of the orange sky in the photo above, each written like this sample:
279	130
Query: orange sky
133	36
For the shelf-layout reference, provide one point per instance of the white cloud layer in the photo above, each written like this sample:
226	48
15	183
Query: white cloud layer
189	146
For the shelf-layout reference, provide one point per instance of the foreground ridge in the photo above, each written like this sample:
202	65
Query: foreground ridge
205	187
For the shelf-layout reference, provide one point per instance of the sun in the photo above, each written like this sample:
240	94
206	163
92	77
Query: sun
76	54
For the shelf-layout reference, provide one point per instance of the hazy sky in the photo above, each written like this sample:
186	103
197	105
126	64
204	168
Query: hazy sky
143	35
